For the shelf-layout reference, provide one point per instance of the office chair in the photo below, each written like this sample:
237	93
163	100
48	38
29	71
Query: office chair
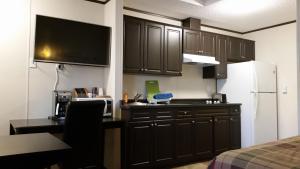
84	133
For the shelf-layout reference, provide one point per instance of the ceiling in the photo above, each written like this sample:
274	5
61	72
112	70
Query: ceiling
237	15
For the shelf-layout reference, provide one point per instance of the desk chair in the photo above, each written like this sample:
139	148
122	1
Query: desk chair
84	133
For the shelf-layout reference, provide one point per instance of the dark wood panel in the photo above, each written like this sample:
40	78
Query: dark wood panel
191	42
203	133
249	50
235	132
221	134
235	52
184	140
173	50
164	142
153	49
140	145
208	44
133	45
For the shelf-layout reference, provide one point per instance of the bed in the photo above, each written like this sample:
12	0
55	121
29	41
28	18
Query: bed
282	154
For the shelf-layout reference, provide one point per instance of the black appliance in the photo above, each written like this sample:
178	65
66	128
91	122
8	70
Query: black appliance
61	100
71	42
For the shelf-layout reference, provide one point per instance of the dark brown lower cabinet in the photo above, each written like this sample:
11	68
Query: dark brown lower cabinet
203	138
173	137
184	140
164	143
140	151
221	134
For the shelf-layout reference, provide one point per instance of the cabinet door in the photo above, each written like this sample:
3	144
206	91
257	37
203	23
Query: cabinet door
173	50
164	143
235	132
191	41
203	137
221	134
184	140
221	56
235	51
249	50
153	49
133	45
140	145
208	44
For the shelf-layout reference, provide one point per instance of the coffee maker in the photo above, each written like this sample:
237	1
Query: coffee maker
61	98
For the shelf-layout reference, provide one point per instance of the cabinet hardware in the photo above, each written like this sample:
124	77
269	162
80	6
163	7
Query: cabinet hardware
243	57
155	124
210	121
145	69
216	120
185	113
231	119
141	69
193	121
151	124
236	110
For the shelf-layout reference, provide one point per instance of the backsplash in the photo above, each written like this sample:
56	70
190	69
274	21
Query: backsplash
189	85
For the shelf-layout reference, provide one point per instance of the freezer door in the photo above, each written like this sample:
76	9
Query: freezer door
265	118
264	77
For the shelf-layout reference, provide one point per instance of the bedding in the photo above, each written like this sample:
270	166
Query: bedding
282	154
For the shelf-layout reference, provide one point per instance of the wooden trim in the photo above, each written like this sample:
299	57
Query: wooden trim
151	13
269	27
209	26
223	29
99	2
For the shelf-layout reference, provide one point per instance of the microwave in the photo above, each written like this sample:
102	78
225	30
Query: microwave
108	109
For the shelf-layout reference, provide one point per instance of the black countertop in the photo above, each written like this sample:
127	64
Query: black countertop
176	103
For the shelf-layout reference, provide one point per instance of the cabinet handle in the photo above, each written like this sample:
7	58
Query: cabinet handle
155	124
243	57
151	124
210	121
231	119
193	121
235	110
145	69
185	113
216	120
141	69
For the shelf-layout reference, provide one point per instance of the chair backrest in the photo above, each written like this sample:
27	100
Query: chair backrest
84	132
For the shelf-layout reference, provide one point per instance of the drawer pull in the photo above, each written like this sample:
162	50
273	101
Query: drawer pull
151	124
193	121
210	121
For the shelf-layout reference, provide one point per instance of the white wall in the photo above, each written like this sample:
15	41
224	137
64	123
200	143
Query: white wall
14	32
190	85
42	78
278	46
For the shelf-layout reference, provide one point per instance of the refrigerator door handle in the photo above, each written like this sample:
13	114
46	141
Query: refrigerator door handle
255	91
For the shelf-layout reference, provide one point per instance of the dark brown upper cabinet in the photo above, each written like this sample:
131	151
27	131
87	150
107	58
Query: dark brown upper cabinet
191	44
173	50
218	71
208	44
152	47
249	49
133	45
240	50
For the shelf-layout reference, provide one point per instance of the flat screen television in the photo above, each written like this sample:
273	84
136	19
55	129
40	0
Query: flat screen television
71	42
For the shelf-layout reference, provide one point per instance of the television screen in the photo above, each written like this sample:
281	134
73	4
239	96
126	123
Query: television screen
71	42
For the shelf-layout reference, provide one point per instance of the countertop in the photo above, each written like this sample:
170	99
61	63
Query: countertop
178	103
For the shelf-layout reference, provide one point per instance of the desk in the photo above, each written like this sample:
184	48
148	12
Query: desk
24	126
31	151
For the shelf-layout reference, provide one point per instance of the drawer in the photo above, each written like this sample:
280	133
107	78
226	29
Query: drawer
144	115
184	114
163	114
211	111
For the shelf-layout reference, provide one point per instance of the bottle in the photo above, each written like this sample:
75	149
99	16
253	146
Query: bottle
125	97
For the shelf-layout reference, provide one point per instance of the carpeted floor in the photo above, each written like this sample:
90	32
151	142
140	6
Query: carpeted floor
202	165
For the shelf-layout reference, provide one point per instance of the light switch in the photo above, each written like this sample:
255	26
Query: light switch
285	89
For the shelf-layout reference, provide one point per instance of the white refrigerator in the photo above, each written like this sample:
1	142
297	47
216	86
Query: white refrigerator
254	85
